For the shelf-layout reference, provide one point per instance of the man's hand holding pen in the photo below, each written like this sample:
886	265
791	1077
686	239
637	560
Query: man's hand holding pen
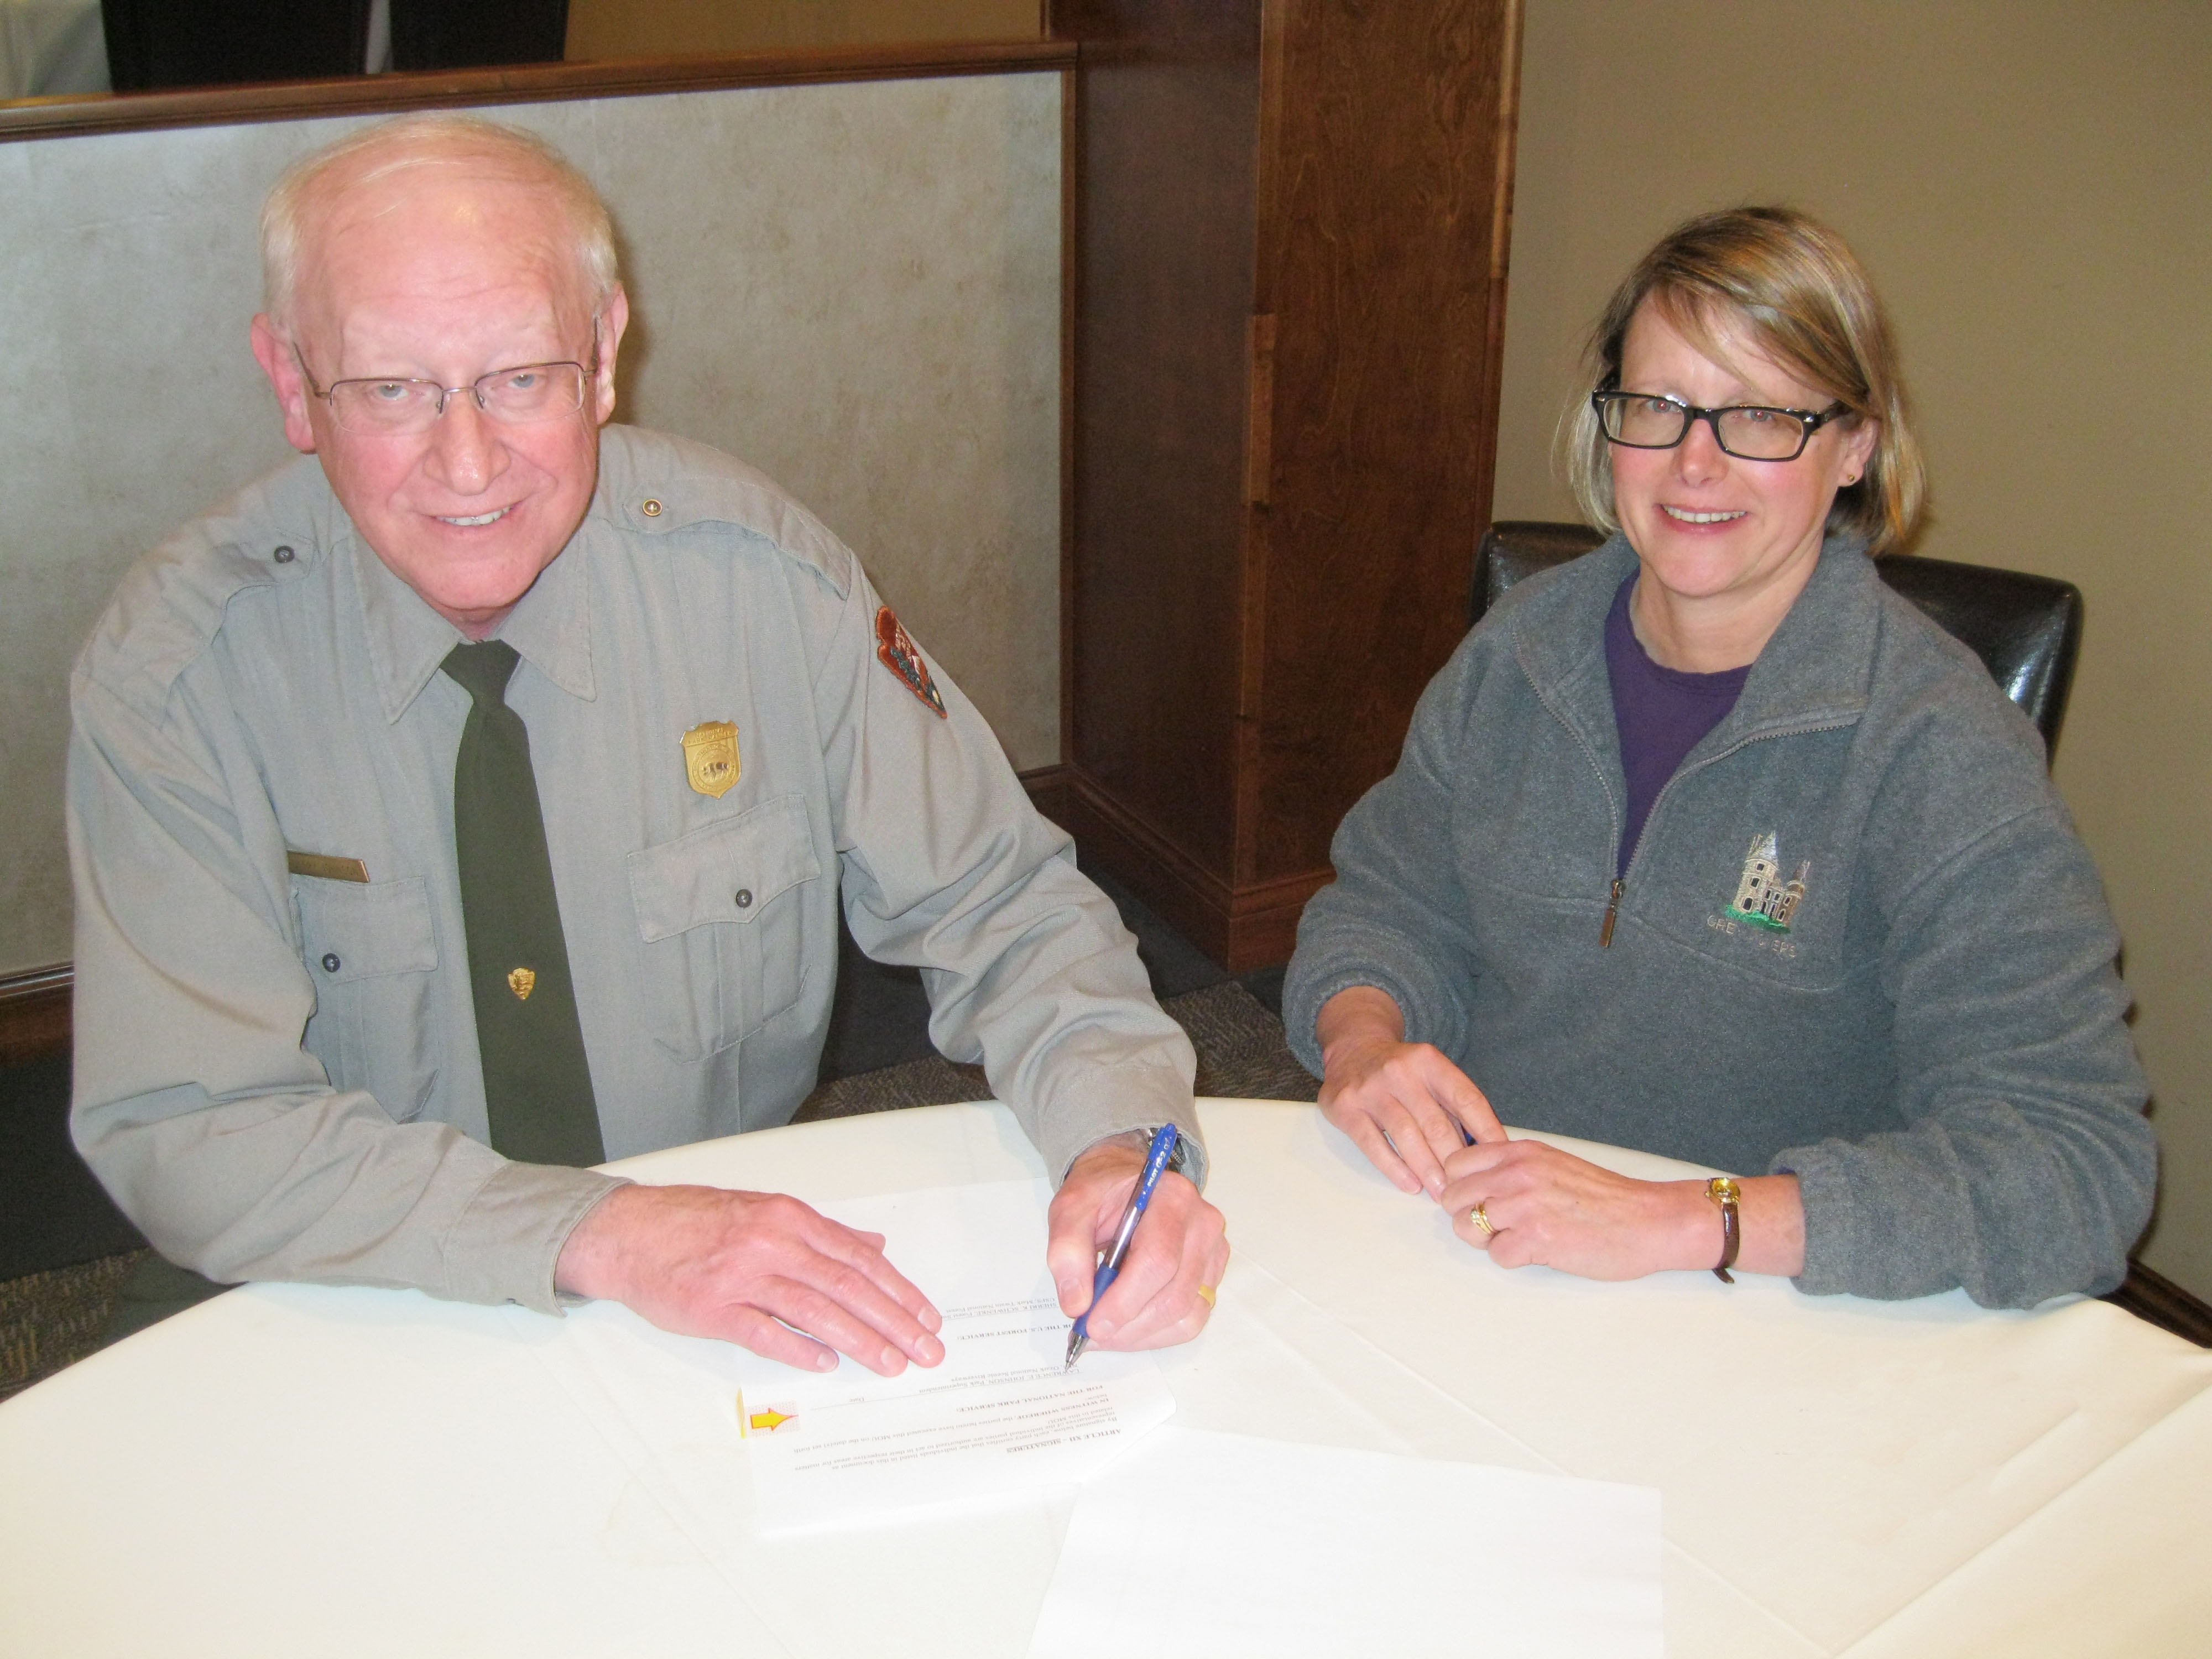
1163	1292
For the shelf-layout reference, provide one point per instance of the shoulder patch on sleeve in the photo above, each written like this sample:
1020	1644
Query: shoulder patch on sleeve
897	651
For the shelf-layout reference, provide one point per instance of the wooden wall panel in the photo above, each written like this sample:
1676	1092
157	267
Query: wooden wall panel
1167	105
1291	220
1384	397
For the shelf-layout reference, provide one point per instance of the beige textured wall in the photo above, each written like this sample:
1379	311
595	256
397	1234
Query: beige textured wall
855	288
2030	182
649	29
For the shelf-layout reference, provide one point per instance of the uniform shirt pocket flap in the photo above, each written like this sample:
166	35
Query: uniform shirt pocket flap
349	930
731	871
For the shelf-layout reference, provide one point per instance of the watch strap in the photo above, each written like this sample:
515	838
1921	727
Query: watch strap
1188	1161
1725	1192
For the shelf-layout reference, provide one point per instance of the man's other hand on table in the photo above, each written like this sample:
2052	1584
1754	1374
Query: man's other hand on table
759	1269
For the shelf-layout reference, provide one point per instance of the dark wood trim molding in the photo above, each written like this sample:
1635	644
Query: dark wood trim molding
1251	927
34	1013
1050	788
1501	237
384	95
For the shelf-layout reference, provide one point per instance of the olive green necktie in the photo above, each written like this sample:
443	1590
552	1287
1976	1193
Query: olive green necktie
537	1086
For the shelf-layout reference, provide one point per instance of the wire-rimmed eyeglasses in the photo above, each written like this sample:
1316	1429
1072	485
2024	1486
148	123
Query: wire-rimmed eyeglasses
390	405
1750	432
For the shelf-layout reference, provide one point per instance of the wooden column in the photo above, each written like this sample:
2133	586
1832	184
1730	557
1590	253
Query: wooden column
1288	222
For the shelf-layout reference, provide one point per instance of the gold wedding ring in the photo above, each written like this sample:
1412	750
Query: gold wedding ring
1480	1216
1207	1290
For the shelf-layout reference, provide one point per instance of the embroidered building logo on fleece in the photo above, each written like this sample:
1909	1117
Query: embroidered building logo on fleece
1762	898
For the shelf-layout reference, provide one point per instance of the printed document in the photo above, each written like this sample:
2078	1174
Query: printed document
998	1415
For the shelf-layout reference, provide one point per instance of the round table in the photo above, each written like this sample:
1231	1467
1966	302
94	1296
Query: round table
336	1471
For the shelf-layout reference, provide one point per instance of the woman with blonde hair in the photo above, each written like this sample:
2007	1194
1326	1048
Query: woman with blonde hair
1709	844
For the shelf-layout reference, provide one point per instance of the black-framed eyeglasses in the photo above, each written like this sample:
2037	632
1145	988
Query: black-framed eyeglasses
396	407
1750	432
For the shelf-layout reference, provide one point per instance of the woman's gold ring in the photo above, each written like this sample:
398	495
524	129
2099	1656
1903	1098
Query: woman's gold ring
1207	1290
1480	1216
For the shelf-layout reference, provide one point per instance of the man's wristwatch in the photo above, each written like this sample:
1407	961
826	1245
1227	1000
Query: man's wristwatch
1187	1160
1725	1192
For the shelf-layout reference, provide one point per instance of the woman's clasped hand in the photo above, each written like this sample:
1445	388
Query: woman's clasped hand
1423	1123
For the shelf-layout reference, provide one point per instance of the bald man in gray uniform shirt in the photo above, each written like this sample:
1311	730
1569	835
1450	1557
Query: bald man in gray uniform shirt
277	1068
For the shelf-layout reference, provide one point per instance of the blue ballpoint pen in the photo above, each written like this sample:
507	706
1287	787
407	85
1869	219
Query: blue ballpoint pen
1164	1146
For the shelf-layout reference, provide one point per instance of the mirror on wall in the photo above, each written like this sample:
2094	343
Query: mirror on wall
64	49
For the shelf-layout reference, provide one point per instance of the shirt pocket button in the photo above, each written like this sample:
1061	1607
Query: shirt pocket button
331	963
744	898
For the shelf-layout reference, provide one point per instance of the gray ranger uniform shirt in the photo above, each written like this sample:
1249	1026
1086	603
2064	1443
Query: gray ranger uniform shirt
276	1073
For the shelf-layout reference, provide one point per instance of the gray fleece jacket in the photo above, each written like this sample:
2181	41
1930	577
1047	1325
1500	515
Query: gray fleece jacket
1858	939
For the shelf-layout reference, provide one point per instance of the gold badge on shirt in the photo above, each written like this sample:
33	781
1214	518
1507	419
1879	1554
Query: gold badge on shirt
522	981
710	757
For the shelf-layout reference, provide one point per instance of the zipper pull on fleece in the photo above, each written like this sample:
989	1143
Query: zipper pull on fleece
1612	909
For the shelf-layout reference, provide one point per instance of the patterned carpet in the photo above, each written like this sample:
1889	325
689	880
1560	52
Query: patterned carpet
51	1320
54	1319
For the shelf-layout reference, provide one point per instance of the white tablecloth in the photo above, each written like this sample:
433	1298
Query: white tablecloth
290	1469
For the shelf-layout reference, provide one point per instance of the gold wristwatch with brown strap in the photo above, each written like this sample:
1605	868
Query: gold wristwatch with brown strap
1725	1192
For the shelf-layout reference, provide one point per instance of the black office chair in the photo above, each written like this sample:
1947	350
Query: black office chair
2027	630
